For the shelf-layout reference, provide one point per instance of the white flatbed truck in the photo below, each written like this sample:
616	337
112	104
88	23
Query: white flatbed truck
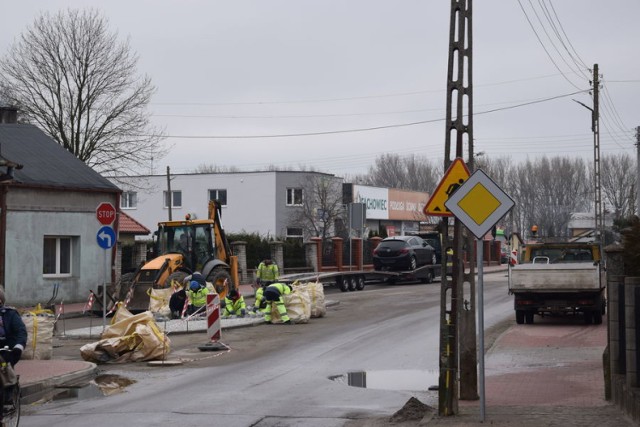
558	279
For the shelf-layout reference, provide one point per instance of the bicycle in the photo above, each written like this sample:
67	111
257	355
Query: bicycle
9	383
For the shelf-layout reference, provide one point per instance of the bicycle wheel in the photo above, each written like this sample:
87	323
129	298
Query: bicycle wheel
11	412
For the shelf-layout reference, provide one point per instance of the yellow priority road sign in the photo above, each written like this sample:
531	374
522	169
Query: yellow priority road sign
479	203
454	177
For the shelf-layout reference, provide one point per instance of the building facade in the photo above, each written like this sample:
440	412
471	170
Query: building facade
48	224
388	210
265	202
261	202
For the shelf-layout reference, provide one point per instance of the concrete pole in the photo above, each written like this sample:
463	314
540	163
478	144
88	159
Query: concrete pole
638	171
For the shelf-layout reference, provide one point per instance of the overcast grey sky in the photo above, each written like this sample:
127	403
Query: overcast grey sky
328	70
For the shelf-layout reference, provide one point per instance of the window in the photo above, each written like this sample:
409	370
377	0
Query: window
176	199
294	232
294	196
56	256
219	195
129	200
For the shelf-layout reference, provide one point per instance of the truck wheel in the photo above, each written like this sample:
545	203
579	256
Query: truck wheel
221	280
352	283
413	264
428	278
528	317
519	317
359	283
341	283
588	317
597	317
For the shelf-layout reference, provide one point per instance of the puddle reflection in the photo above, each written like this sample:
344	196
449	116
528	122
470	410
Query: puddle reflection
102	385
406	380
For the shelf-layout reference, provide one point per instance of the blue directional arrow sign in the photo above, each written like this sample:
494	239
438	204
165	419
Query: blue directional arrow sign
106	237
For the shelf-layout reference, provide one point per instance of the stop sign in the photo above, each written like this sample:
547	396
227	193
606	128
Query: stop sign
106	213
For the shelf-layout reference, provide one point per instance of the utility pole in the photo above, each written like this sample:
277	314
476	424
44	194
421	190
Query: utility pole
595	128
599	227
457	314
169	200
638	171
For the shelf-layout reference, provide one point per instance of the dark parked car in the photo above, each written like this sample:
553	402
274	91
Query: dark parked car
403	253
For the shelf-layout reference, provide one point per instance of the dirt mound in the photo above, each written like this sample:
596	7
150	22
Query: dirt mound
413	410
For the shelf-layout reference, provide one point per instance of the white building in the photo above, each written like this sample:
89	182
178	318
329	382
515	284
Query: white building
253	202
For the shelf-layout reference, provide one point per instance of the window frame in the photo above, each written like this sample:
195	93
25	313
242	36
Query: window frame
126	200
165	193
294	236
217	194
291	196
58	256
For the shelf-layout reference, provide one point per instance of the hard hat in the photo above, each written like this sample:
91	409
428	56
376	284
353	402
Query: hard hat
198	277
194	286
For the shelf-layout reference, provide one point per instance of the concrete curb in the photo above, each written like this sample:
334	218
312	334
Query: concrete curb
38	389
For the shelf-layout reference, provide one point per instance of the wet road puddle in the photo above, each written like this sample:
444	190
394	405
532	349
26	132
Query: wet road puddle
405	380
102	385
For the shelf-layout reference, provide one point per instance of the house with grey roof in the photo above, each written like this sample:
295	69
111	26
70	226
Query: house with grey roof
48	225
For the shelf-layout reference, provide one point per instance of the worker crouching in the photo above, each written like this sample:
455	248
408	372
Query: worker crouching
234	305
197	293
273	296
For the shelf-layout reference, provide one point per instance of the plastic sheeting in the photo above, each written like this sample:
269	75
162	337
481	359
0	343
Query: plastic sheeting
306	300
316	297
129	338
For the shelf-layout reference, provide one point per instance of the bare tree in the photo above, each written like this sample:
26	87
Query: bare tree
547	191
213	168
69	75
618	180
408	173
321	206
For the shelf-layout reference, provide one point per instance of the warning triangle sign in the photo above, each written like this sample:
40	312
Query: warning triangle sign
454	177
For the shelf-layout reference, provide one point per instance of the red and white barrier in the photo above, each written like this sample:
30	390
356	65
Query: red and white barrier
128	297
213	317
60	310
89	303
513	259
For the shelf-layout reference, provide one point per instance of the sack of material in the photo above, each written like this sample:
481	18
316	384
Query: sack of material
298	304
159	301
129	338
316	295
39	324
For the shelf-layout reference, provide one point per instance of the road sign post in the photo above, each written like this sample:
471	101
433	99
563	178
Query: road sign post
106	238
479	204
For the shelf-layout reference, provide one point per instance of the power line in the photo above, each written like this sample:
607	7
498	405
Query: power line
373	128
320	100
544	47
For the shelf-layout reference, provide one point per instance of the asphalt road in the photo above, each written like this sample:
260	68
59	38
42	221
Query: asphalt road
279	375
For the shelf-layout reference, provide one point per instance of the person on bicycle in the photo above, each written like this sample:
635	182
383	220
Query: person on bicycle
13	332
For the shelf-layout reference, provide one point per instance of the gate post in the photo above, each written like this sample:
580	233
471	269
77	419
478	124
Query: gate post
632	297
